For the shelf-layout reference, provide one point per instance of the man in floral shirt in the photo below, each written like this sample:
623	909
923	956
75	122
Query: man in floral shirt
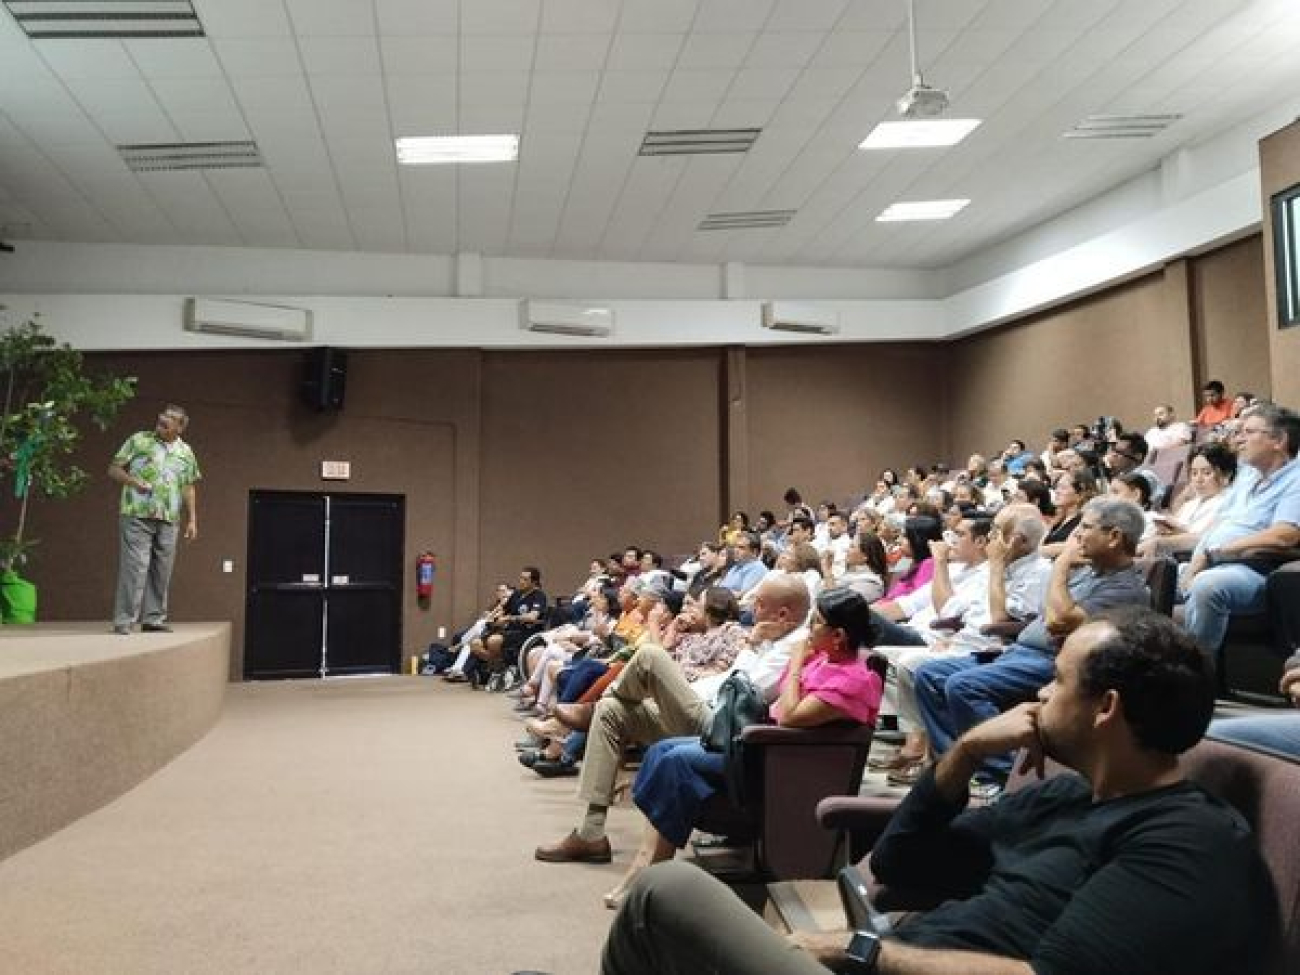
157	471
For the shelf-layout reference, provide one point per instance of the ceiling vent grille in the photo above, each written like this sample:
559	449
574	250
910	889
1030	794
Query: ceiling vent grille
746	220
1121	126
95	19
165	157
692	142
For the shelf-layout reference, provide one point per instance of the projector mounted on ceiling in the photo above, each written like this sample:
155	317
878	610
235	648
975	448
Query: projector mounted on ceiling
920	101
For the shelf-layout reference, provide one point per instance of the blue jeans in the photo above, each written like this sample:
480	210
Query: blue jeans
1215	595
1273	732
957	693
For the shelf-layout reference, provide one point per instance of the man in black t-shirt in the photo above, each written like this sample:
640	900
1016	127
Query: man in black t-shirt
1124	867
524	614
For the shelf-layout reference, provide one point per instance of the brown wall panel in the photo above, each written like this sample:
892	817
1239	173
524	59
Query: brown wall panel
1279	163
826	420
586	452
1229	306
1103	355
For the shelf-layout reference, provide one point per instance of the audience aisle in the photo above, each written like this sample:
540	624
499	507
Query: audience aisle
354	826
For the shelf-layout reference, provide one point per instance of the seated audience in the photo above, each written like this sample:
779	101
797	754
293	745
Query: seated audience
1138	488
1125	866
914	545
1275	732
1260	512
523	615
834	545
747	568
865	568
1210	473
651	699
455	674
711	562
735	527
824	682
1215	407
1073	490
1166	432
956	694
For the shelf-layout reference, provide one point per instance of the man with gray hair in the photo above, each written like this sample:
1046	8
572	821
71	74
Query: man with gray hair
1095	571
157	471
1260	513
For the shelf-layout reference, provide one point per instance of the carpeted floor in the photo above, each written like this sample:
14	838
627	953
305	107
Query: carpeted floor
354	826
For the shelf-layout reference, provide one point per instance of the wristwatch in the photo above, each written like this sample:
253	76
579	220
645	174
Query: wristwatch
862	953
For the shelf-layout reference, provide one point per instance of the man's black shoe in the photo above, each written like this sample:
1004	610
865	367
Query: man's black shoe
155	628
555	770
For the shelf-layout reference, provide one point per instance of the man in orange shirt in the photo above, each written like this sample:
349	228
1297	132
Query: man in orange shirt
1215	407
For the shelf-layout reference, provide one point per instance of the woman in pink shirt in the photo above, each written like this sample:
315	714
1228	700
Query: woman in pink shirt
918	533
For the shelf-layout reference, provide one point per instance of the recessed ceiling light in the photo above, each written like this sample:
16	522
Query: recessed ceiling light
428	150
922	210
919	133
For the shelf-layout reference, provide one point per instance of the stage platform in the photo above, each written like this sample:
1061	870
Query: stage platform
85	715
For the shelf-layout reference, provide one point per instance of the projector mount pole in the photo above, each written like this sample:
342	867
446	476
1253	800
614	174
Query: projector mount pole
917	79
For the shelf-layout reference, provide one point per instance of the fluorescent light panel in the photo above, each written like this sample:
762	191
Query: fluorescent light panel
693	142
430	150
98	19
159	157
919	133
922	210
746	220
1121	126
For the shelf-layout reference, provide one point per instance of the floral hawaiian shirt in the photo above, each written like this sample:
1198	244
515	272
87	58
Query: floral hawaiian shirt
168	468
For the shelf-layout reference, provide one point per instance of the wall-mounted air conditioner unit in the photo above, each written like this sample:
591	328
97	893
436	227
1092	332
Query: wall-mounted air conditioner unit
787	316
588	321
247	319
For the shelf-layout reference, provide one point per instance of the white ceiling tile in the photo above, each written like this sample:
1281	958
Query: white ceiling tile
258	57
610	117
830	84
1009	14
420	54
137	127
705	86
657	16
204	96
555	117
564	86
320	199
174	57
488	118
275	96
808	14
400	18
378	229
331	17
241	18
715	50
494	86
500	16
422	104
851	49
340	55
644	52
726	16
118	96
214	127
762	84
359	96
579	16
77	60
631	86
788	49
683	115
743	114
325	229
496	52
572	52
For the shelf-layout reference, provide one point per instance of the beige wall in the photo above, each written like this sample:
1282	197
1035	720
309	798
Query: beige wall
1230	317
1279	160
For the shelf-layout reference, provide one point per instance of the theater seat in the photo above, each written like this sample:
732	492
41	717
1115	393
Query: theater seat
1249	664
1263	787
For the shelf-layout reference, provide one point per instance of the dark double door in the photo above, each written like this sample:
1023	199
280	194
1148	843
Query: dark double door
324	584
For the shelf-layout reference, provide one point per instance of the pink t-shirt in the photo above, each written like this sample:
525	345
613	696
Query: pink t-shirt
902	587
849	686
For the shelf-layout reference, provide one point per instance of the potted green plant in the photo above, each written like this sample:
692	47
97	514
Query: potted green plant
48	396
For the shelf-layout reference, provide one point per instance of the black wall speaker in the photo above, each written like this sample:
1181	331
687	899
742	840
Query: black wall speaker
324	378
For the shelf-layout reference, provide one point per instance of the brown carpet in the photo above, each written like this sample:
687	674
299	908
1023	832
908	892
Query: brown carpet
352	826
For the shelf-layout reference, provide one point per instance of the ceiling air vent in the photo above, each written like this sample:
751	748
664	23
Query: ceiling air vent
746	220
691	142
164	156
91	19
1121	126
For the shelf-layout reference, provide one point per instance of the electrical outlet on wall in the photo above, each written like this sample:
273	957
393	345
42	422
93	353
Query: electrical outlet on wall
442	633
227	565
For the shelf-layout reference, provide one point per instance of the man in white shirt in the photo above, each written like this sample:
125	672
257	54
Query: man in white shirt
1167	432
834	548
651	699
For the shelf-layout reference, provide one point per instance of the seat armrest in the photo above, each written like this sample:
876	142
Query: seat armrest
950	623
1263	560
841	732
1006	631
857	814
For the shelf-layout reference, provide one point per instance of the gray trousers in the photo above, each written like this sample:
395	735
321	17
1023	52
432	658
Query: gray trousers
144	570
679	920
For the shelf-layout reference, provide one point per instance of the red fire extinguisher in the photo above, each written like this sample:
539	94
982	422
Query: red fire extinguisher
425	566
